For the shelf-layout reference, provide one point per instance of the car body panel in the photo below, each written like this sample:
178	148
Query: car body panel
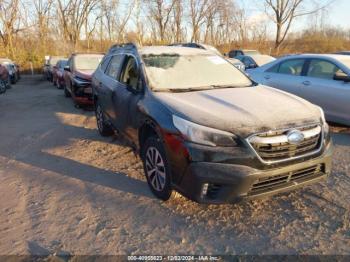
332	95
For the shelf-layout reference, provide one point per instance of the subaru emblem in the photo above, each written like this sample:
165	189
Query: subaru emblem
295	137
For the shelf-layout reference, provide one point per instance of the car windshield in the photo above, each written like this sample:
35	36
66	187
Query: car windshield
87	62
54	60
174	72
62	63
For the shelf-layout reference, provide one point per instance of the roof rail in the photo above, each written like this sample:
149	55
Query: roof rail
124	45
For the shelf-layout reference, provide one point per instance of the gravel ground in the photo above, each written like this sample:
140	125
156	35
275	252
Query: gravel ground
63	188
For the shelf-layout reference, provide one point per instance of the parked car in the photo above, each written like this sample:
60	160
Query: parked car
4	77
2	86
58	72
237	63
12	73
77	77
322	79
13	70
254	61
49	67
237	52
343	53
204	129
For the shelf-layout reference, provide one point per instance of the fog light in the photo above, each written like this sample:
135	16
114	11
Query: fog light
205	189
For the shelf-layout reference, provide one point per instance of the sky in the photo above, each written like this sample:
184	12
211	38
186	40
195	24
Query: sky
337	13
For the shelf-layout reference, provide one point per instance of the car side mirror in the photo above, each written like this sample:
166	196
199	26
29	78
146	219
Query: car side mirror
341	76
67	68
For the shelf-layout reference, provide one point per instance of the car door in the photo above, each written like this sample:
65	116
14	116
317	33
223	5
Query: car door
109	83
321	89
127	94
287	75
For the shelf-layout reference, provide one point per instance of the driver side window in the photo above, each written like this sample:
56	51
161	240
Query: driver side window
130	74
323	69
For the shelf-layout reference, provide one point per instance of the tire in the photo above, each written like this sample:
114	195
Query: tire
58	84
66	92
156	168
103	128
2	87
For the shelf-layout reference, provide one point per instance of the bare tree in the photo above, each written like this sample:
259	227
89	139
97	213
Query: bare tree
283	14
160	13
42	16
72	15
9	23
199	9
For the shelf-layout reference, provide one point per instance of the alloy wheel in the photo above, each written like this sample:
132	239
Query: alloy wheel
99	118
155	168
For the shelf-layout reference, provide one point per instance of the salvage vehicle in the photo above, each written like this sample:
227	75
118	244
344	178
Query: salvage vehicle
204	129
77	77
254	61
237	52
49	67
343	53
12	72
4	78
322	79
58	72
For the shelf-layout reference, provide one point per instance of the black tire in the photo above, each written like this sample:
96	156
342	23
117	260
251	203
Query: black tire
66	92
103	128
156	168
2	88
58	85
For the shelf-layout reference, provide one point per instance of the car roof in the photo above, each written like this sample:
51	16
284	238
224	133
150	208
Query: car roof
179	50
333	56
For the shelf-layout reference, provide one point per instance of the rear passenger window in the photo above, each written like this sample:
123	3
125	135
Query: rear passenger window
291	67
114	66
322	69
104	63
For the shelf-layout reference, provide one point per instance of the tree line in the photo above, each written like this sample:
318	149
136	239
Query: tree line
31	29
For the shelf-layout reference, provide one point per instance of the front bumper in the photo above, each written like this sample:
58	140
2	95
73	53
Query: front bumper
229	183
83	95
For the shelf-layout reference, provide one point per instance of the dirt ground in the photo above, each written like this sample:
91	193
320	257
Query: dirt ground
64	189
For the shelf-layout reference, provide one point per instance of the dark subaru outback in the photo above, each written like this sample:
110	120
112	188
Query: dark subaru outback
204	129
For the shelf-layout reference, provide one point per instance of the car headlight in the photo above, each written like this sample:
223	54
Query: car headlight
325	126
202	134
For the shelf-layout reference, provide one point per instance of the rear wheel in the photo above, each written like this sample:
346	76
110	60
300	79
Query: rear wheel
103	128
2	87
156	168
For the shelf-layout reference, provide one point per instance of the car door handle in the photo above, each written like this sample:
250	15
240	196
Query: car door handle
267	77
306	83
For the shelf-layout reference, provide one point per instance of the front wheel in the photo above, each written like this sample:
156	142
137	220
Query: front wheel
66	92
156	168
103	128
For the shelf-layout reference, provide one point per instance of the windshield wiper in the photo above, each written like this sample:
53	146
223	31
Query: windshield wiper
187	89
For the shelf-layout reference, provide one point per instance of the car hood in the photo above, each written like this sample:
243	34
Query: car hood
84	74
242	111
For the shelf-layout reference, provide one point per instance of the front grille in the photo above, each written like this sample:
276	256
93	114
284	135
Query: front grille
274	146
271	183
